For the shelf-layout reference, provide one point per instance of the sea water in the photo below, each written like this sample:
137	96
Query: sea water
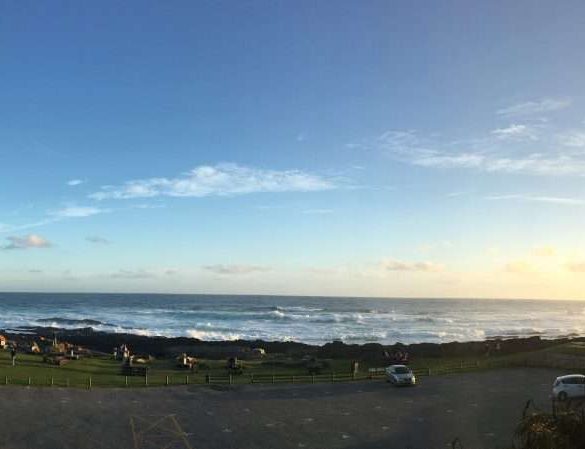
313	320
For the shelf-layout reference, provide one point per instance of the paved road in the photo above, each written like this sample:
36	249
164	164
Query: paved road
479	408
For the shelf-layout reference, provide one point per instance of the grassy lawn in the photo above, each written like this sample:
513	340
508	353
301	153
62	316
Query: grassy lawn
105	371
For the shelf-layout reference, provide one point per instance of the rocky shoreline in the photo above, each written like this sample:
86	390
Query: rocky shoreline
168	347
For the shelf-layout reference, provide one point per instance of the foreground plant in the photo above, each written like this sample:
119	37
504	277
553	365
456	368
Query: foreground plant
562	429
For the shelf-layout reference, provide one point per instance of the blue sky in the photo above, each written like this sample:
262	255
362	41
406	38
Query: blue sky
335	148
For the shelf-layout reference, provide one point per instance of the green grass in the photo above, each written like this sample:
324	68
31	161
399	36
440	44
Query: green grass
107	372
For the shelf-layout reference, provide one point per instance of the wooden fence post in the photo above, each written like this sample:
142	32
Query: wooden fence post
208	379
167	380
332	377
146	380
429	372
186	380
29	380
52	381
293	379
126	381
252	378
231	380
67	382
6	380
312	378
89	383
273	378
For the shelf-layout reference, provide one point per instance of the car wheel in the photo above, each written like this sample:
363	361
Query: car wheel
562	396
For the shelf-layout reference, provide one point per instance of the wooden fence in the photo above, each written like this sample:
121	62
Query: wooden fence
160	380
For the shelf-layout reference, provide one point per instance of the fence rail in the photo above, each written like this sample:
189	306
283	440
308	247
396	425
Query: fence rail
159	380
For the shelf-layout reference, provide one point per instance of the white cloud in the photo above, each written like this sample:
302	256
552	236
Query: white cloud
541	199
235	269
75	182
26	242
534	107
78	212
573	139
515	132
444	160
397	265
218	180
488	155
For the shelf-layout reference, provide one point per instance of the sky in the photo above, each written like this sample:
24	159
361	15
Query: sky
346	148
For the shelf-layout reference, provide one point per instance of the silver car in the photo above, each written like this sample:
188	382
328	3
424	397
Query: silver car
570	386
400	375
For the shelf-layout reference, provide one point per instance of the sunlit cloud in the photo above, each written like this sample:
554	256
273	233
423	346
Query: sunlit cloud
519	267
235	269
218	180
398	265
26	242
576	267
544	251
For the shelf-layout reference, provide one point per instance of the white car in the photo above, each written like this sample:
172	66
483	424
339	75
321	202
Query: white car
400	375
570	386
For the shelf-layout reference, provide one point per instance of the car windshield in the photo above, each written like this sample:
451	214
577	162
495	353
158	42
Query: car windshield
401	370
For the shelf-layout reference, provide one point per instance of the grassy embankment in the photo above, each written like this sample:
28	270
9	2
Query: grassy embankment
106	372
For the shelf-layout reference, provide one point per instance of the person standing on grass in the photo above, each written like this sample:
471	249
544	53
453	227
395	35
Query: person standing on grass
13	355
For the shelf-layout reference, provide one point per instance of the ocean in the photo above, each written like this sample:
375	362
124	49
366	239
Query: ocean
313	320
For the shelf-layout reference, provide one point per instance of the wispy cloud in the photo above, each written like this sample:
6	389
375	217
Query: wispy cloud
97	240
488	154
572	139
78	212
515	132
398	265
132	274
540	199
75	182
218	180
235	269
26	242
535	107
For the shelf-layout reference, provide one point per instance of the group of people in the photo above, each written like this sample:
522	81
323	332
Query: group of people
397	356
122	352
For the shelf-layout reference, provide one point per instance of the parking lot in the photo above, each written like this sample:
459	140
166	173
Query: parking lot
481	409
